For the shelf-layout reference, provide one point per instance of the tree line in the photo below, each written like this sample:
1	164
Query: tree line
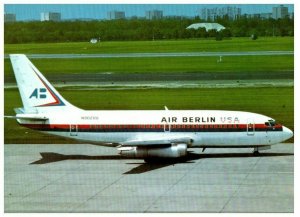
141	29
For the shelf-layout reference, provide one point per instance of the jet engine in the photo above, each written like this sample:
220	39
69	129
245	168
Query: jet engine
173	151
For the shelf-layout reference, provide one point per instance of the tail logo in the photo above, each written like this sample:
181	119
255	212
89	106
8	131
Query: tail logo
39	93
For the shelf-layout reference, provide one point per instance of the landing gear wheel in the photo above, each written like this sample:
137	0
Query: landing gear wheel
256	152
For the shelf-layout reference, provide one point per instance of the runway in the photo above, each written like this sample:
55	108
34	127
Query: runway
169	54
87	178
160	78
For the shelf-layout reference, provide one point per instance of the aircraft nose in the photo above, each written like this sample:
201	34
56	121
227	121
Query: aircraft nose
287	132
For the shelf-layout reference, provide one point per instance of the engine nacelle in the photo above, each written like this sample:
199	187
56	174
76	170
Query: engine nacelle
173	151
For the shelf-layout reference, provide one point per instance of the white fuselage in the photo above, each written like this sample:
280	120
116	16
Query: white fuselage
145	134
205	128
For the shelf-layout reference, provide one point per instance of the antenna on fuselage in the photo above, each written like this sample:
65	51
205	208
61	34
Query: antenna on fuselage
166	108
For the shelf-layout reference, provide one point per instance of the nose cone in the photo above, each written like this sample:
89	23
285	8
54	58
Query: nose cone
287	133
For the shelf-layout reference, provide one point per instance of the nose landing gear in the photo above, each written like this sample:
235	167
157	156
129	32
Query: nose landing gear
259	148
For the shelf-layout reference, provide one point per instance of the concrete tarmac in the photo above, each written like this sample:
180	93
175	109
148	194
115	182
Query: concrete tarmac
87	178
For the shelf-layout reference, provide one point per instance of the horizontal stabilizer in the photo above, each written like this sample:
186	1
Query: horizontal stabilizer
28	117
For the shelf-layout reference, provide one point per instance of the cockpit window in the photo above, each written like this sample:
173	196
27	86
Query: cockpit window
267	124
272	122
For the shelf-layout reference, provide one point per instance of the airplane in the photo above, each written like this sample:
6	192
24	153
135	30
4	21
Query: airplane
144	134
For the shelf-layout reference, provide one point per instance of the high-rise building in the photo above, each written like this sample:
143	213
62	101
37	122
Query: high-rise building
9	18
154	15
280	12
212	13
232	12
115	15
209	14
50	16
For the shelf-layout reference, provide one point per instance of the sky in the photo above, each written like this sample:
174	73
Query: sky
99	11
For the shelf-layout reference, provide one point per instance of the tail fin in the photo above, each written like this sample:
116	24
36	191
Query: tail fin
37	94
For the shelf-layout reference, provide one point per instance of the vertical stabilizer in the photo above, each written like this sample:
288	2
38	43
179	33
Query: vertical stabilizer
37	94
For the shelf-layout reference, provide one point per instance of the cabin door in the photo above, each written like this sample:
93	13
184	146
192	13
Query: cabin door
250	127
73	130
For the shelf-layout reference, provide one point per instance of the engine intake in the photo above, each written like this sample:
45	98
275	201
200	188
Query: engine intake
173	151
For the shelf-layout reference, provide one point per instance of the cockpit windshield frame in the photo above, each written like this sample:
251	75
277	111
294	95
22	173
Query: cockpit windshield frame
271	123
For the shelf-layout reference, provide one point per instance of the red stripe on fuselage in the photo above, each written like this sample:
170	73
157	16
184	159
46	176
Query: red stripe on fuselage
147	126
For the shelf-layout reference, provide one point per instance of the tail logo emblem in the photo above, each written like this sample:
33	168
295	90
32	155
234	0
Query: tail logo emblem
39	93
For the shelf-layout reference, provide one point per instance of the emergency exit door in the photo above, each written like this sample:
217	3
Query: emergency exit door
73	130
167	127
250	127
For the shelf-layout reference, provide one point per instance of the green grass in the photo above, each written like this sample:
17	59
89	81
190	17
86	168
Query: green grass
195	45
232	64
277	103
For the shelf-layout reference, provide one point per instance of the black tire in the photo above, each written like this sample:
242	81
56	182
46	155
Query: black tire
256	153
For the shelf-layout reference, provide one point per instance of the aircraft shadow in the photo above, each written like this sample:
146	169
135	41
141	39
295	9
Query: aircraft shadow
155	163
